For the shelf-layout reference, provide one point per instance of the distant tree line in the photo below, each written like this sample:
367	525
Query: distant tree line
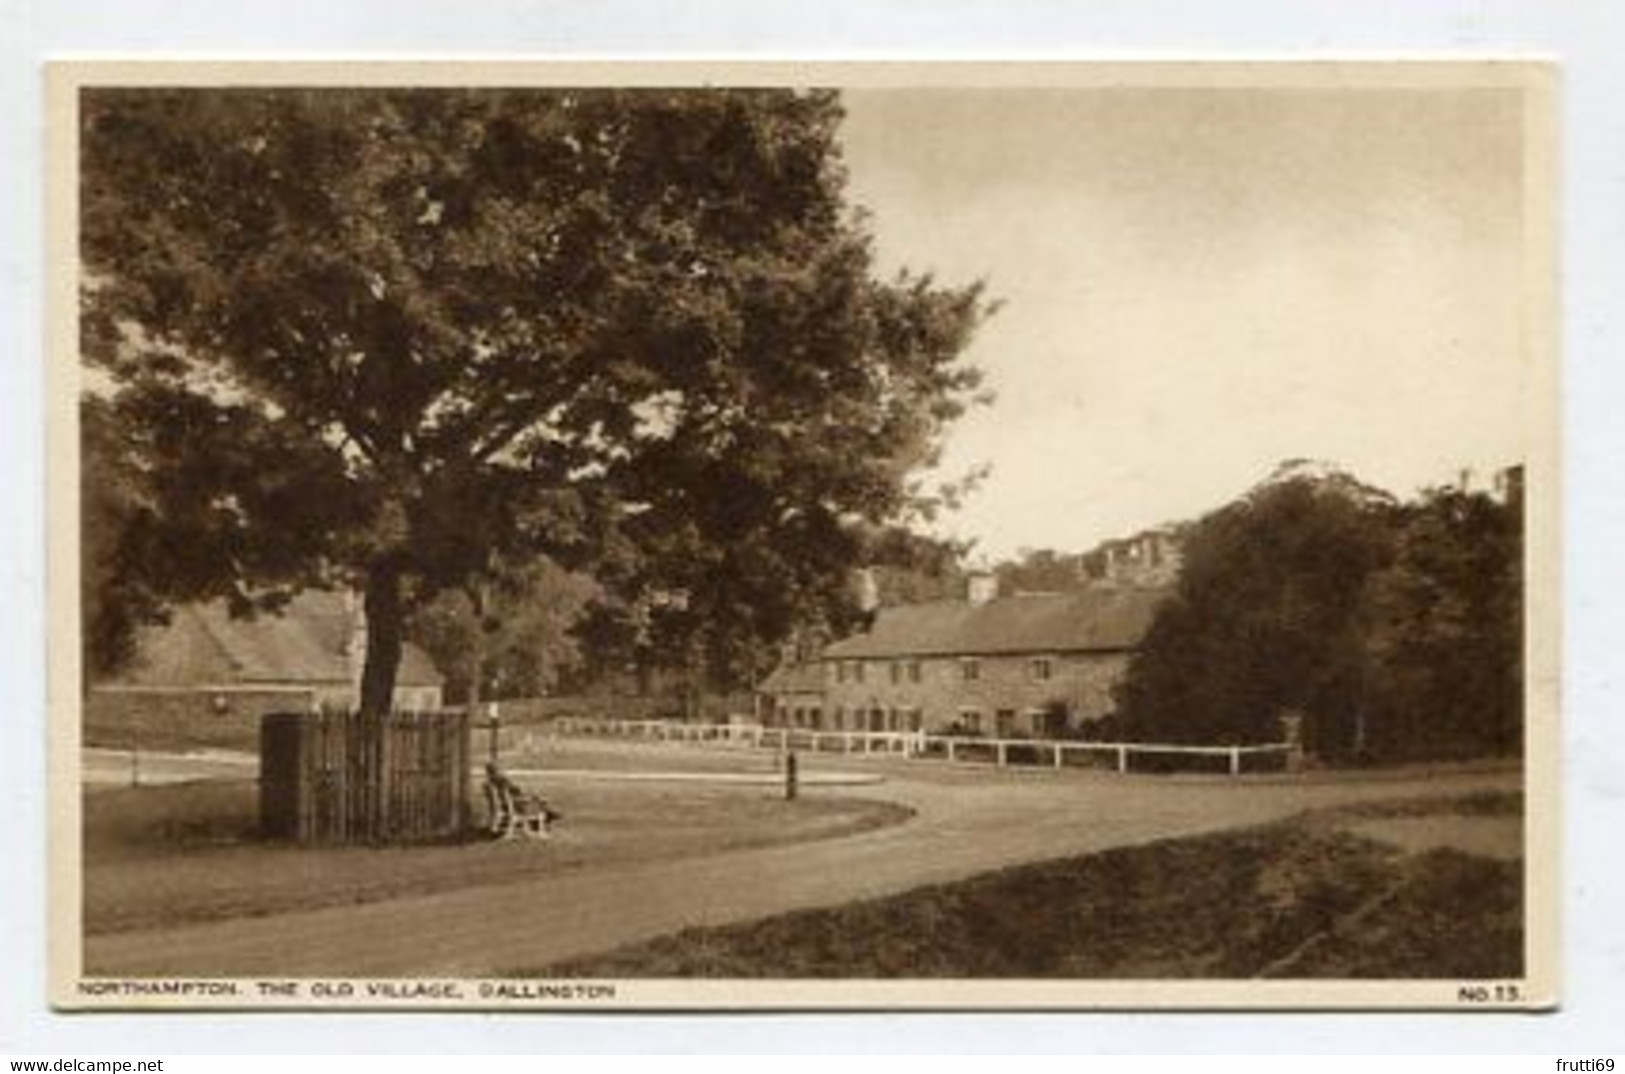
1390	631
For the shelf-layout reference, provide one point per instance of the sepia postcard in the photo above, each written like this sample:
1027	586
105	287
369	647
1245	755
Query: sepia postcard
540	536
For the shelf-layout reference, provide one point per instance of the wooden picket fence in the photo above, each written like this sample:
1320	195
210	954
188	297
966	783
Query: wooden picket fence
334	777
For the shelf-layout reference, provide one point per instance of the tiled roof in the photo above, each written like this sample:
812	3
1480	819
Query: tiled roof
203	644
1101	618
794	679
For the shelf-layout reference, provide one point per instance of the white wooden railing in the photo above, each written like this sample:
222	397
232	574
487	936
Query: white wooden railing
913	744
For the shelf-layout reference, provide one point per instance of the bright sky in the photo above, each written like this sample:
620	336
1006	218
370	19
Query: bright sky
1200	283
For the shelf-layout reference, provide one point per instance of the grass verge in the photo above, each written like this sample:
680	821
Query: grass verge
169	855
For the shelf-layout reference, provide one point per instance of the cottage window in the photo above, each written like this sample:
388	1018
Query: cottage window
913	671
970	669
1043	668
857	671
896	672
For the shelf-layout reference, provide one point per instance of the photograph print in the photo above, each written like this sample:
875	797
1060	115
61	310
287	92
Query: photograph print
820	536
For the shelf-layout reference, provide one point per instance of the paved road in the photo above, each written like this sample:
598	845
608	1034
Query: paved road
966	823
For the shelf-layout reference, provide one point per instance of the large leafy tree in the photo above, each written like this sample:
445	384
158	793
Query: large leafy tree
390	337
1445	643
1394	629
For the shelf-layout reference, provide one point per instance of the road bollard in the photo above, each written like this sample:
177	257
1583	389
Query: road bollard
790	781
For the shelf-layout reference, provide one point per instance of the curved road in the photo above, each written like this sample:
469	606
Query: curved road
967	822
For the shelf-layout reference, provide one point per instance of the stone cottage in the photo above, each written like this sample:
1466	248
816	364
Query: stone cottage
1023	665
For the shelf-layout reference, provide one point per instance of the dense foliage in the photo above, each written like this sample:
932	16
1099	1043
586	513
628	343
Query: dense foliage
512	634
1446	629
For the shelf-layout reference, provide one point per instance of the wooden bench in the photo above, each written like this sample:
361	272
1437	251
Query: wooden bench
513	812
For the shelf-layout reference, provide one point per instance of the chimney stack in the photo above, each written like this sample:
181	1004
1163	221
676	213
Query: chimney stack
1114	565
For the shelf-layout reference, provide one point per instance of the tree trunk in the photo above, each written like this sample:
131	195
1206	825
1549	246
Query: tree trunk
386	626
476	594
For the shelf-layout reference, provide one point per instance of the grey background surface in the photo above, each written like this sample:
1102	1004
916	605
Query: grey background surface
1585	36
